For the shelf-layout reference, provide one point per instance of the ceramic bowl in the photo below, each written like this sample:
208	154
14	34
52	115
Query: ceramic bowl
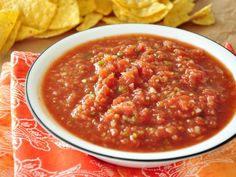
129	159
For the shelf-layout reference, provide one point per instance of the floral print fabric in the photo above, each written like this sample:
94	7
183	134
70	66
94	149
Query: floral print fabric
26	149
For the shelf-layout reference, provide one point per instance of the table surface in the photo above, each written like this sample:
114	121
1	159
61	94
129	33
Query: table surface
223	30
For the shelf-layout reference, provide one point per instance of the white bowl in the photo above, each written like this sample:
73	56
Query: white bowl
129	159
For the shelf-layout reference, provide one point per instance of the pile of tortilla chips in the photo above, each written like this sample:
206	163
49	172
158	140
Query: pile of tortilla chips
22	19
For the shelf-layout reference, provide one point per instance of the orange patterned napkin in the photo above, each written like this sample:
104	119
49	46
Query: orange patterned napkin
34	152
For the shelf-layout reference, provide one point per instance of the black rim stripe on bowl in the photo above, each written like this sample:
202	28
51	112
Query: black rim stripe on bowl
108	156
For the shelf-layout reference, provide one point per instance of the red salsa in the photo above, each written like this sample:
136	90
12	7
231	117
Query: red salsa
140	93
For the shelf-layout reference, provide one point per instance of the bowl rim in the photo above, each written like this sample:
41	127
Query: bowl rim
103	154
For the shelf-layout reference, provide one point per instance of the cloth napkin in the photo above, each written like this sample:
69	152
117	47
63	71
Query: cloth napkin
27	150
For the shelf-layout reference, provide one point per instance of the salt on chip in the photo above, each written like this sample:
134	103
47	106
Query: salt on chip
89	21
103	7
52	33
27	32
111	20
11	38
86	6
8	19
67	15
179	14
204	16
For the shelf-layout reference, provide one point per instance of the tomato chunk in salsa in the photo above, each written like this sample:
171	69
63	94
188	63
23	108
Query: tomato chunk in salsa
140	93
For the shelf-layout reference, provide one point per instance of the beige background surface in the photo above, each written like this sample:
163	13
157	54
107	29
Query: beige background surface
223	30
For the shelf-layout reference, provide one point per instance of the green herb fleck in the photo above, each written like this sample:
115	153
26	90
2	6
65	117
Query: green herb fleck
91	95
101	63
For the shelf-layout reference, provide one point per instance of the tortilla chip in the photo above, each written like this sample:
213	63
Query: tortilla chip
26	32
179	14
11	38
53	1
167	3
103	7
86	6
149	10
134	4
8	19
89	21
35	13
124	14
204	16
67	15
52	33
111	20
8	4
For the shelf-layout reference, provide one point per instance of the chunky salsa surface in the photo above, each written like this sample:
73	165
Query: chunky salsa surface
140	93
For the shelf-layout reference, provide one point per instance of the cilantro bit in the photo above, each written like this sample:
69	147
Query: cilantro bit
101	63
